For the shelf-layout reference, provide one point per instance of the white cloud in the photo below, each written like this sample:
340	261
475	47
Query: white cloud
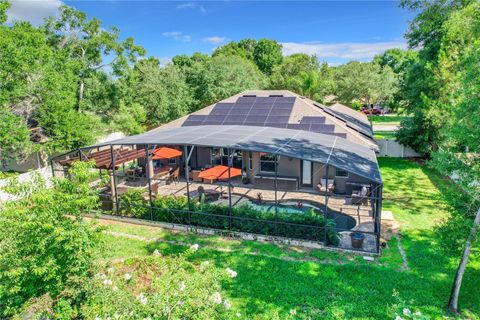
179	36
344	50
215	40
192	6
34	11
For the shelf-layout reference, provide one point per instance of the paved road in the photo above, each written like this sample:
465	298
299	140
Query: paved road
385	127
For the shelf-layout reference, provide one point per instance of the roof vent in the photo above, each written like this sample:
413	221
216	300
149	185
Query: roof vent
249	95
276	95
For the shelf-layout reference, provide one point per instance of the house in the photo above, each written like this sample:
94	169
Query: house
292	168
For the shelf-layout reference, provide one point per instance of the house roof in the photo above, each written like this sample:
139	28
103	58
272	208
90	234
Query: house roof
316	147
303	114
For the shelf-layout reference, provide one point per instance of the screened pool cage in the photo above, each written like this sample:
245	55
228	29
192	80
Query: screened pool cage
273	186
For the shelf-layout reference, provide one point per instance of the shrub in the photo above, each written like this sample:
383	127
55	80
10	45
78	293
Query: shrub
42	249
133	204
308	226
157	287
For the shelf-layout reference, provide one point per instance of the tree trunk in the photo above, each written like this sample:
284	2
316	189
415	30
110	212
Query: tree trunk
370	109
80	95
457	282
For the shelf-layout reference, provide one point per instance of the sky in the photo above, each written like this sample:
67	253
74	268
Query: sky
336	31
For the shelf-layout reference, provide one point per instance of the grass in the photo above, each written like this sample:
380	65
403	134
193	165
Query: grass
384	135
8	174
320	284
388	119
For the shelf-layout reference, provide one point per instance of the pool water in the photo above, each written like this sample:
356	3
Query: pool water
342	221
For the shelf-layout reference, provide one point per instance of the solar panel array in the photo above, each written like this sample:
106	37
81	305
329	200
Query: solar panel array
273	111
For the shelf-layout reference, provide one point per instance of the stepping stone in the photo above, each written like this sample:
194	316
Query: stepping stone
368	258
387	215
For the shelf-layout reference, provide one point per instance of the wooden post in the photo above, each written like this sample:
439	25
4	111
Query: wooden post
113	183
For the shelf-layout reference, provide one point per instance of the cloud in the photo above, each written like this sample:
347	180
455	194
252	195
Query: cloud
344	50
177	36
215	40
192	6
34	11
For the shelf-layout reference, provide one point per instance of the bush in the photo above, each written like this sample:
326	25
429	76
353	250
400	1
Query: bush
153	287
133	204
308	226
43	251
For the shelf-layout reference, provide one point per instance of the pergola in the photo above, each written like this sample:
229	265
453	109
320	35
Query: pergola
326	150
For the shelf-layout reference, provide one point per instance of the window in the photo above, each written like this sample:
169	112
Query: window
339	173
267	162
220	157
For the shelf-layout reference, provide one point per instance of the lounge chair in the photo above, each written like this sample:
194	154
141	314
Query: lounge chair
360	196
322	186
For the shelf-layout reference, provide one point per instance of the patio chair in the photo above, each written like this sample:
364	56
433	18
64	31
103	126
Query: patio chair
360	197
322	186
175	175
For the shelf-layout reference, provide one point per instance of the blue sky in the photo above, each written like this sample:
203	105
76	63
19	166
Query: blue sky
336	31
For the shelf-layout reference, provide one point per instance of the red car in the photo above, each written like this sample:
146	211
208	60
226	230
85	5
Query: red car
375	111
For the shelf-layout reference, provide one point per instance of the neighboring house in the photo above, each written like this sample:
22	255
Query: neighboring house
282	149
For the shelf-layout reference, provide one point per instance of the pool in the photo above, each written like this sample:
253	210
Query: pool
342	221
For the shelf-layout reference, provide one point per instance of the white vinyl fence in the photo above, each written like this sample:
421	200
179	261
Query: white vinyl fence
392	148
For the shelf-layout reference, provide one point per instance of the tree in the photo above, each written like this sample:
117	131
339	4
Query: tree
223	76
14	136
365	81
162	93
88	43
43	249
267	54
4	6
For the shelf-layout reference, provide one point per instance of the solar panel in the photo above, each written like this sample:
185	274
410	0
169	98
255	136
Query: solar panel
299	126
277	119
240	111
220	111
270	100
322	127
219	118
234	117
192	123
261	111
285	100
262	105
258	112
242	106
223	105
246	99
313	120
280	112
255	119
196	117
287	106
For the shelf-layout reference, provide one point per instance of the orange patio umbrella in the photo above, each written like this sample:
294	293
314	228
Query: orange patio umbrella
220	173
164	153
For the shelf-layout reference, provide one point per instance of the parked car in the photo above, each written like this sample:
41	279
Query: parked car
375	111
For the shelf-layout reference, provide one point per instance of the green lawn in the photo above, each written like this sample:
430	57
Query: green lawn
390	119
318	284
384	135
